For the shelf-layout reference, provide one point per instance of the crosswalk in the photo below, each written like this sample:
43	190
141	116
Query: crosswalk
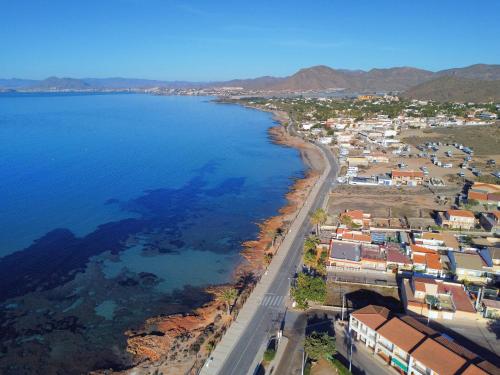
272	300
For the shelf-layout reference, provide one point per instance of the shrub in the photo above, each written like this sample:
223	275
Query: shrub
269	355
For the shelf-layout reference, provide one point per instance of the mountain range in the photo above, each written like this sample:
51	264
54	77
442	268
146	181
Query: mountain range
415	82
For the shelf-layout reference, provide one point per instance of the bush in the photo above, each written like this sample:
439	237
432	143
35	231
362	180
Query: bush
309	288
319	345
341	369
269	355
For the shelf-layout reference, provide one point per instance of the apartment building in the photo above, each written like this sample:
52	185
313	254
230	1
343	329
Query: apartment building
411	347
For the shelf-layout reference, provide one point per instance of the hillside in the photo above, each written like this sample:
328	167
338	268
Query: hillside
454	89
478	71
316	78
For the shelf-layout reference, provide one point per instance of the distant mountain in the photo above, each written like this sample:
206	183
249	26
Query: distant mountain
455	89
250	84
16	83
478	71
316	78
55	83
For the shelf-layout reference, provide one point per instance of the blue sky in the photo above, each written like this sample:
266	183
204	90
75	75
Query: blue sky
214	40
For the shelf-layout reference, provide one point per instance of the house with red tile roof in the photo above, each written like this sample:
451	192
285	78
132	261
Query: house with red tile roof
398	259
412	347
437	299
357	217
485	193
457	219
427	261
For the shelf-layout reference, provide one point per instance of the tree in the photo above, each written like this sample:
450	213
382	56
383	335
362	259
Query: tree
318	217
308	288
310	243
228	296
318	345
310	258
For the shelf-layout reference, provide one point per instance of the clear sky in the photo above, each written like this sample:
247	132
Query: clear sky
215	40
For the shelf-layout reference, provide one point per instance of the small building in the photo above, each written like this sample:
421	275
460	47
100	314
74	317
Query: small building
411	178
436	299
485	193
357	161
345	254
468	266
426	261
357	217
490	221
373	258
457	219
397	259
491	308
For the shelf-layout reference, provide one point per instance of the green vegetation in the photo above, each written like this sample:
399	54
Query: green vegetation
308	288
347	221
269	355
319	345
228	296
489	179
318	218
341	369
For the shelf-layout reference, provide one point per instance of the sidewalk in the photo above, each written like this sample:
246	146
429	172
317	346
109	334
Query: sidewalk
226	345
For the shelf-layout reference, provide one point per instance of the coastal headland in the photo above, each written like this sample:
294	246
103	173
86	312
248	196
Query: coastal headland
181	343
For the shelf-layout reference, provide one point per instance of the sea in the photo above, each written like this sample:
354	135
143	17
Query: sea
115	208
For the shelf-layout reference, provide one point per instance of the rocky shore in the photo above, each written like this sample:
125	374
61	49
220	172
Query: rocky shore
179	344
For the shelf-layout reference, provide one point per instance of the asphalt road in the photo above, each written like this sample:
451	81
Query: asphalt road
243	358
363	361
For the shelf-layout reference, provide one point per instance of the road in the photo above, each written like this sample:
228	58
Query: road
244	351
363	361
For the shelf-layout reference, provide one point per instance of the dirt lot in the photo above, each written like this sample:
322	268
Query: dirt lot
485	140
360	295
381	202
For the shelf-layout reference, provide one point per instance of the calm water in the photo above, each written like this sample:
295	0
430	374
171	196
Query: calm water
114	208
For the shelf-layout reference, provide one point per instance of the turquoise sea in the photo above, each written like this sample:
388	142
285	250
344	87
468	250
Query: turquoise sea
118	207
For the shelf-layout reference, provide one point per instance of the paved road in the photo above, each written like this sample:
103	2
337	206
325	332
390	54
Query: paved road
363	361
243	358
247	341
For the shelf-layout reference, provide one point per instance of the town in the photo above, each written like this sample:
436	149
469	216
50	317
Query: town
400	272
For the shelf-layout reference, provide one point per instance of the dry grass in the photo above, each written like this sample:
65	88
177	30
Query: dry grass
485	140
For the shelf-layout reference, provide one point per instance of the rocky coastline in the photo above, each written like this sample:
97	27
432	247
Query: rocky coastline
180	344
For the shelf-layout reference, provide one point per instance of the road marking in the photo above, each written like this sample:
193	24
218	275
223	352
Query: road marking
272	300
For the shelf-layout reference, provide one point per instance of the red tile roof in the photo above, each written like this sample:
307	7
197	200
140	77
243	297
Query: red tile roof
354	214
433	261
396	256
460	299
372	316
401	334
437	357
419	259
422	249
461	213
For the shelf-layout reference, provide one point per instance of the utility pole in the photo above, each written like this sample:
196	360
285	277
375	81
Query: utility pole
479	297
303	359
429	313
343	304
350	345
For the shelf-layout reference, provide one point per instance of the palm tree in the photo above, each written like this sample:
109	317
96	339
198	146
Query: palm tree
318	217
228	296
